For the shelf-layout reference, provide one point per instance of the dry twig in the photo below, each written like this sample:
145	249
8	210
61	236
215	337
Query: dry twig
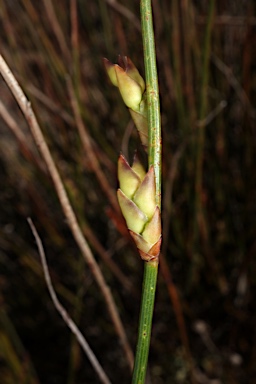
125	12
66	206
65	316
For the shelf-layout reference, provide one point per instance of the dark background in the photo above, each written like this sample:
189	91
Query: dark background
207	79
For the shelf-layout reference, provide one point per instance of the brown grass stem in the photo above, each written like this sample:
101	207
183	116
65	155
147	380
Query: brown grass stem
27	152
66	206
89	152
48	4
75	46
42	40
177	307
23	142
177	63
64	314
200	224
124	11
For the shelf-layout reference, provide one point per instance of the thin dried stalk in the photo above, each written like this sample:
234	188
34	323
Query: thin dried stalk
234	83
86	141
125	12
24	144
50	104
28	154
56	28
39	35
66	206
65	316
114	268
75	45
14	127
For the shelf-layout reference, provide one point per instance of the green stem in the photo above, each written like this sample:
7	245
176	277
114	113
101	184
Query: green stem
154	158
144	333
154	121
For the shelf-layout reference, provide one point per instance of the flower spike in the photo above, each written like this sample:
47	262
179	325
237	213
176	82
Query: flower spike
131	85
136	198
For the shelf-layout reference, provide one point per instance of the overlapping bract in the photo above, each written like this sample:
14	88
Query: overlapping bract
131	85
136	197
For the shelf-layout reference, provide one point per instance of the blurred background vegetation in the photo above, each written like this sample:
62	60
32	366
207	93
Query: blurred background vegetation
205	305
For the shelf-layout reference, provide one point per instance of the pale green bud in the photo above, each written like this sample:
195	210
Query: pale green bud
126	77
126	63
130	90
131	85
134	217
129	180
144	197
138	168
140	242
110	69
136	198
152	231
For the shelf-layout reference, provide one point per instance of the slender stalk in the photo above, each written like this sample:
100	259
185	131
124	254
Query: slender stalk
64	314
177	63
86	141
66	205
56	27
144	333
154	121
125	12
154	158
202	110
75	46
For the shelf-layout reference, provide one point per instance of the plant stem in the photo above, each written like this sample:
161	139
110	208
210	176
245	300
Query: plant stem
154	158
202	112
154	121
67	208
147	307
